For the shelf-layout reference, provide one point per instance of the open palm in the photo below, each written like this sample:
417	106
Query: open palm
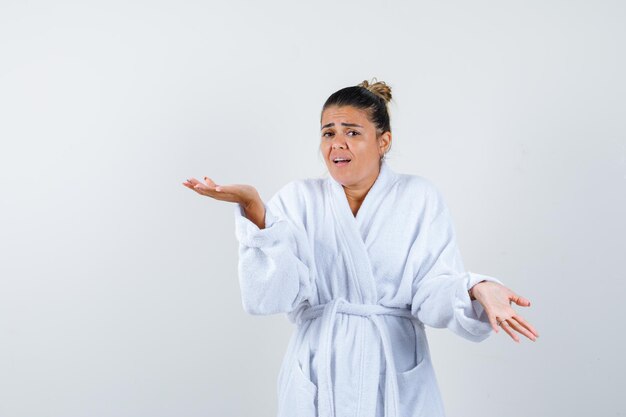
235	193
496	300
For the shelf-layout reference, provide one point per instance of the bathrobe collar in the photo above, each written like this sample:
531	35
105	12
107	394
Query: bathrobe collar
379	189
352	238
355	229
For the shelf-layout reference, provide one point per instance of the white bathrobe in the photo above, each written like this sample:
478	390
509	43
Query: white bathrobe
359	290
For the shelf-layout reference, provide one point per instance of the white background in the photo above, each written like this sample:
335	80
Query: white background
118	286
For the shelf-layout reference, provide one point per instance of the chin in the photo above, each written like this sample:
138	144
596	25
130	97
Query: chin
344	178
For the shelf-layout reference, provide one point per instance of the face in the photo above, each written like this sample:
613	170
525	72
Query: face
347	133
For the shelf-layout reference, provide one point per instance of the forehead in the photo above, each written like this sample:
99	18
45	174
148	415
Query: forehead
344	114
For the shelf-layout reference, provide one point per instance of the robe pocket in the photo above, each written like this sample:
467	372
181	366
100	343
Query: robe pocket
418	391
300	399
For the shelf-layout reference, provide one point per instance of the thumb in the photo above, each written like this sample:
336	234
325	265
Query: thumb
226	188
520	301
209	182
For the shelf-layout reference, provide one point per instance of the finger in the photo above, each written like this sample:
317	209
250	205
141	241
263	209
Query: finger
521	301
203	189
521	329
188	184
210	185
526	324
194	182
210	182
508	329
494	321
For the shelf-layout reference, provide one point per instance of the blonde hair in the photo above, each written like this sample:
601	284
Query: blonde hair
380	88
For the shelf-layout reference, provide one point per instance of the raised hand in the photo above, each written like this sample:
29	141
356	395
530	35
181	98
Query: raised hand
496	300
235	193
246	195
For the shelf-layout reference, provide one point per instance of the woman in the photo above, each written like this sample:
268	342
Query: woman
360	262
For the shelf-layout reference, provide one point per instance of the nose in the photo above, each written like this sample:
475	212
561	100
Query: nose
335	146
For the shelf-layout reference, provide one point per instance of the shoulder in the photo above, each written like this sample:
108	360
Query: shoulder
418	186
293	198
424	193
299	189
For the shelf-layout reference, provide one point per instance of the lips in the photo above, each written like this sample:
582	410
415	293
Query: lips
339	159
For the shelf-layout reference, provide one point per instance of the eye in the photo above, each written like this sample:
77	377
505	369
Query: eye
354	131
324	134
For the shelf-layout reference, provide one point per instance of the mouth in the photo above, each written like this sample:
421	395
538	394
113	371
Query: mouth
341	161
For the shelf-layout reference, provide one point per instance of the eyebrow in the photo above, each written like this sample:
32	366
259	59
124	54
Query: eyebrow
343	124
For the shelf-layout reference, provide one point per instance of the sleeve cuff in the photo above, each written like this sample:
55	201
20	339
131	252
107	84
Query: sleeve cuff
475	278
249	234
471	313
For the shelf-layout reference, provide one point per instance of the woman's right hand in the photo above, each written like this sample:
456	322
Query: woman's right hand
235	193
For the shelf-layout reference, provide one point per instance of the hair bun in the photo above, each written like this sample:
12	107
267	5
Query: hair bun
380	88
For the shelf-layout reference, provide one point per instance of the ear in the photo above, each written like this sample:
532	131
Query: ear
384	142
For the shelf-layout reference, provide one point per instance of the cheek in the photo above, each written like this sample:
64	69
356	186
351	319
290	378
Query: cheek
371	149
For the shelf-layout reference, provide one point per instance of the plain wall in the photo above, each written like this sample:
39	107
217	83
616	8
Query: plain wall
118	286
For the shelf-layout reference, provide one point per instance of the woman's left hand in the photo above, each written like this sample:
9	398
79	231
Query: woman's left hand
496	299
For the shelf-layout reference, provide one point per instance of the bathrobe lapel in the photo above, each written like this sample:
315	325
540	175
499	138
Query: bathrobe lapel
355	229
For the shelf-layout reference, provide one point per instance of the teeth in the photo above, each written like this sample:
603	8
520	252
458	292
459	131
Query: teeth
340	159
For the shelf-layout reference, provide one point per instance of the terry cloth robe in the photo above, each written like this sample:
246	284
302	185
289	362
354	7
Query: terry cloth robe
359	290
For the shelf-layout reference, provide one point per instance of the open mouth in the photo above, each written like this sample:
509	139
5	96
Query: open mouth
341	161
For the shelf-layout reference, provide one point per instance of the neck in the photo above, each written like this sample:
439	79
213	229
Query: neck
356	193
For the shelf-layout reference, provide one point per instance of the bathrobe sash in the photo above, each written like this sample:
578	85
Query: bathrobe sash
328	313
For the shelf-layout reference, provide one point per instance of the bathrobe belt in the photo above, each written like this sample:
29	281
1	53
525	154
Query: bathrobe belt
328	312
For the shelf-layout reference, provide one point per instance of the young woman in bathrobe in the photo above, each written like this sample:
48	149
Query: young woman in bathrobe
360	262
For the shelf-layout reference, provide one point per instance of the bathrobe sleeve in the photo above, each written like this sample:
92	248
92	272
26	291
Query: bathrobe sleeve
273	273
440	287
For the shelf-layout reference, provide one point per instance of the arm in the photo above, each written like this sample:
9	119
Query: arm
273	272
441	286
471	290
255	212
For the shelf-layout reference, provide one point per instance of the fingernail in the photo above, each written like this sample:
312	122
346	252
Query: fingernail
218	189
